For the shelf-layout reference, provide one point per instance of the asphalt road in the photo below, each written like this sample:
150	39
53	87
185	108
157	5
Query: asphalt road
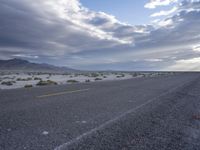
145	113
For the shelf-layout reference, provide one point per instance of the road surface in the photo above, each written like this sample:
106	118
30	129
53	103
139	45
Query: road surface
138	114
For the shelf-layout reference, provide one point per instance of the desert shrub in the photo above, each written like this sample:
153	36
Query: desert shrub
76	75
36	78
29	79
87	75
94	75
7	78
28	86
48	82
134	74
144	75
21	79
8	83
66	74
97	79
72	81
87	80
120	76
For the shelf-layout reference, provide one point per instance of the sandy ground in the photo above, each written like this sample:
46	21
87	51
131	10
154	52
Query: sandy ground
20	80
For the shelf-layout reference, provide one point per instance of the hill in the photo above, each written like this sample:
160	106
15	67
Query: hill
26	66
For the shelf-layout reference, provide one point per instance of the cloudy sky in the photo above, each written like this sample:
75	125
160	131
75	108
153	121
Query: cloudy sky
103	34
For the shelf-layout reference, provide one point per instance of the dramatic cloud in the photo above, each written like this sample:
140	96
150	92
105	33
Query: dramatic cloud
56	28
154	3
66	33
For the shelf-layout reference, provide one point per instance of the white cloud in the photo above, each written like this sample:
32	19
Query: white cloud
153	60
196	48
192	64
154	3
155	21
165	23
164	13
25	56
74	12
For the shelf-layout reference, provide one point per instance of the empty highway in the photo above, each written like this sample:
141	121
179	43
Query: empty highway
158	113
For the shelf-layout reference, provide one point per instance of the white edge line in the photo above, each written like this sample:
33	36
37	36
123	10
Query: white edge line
65	145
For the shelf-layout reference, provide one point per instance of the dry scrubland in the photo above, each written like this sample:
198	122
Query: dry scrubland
10	80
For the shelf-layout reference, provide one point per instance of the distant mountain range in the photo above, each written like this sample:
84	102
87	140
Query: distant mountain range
24	65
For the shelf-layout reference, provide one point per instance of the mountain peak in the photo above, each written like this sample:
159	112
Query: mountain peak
18	60
25	65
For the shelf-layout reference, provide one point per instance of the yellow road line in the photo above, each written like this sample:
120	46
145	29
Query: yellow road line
62	93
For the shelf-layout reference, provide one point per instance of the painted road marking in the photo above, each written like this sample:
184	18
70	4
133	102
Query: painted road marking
62	93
